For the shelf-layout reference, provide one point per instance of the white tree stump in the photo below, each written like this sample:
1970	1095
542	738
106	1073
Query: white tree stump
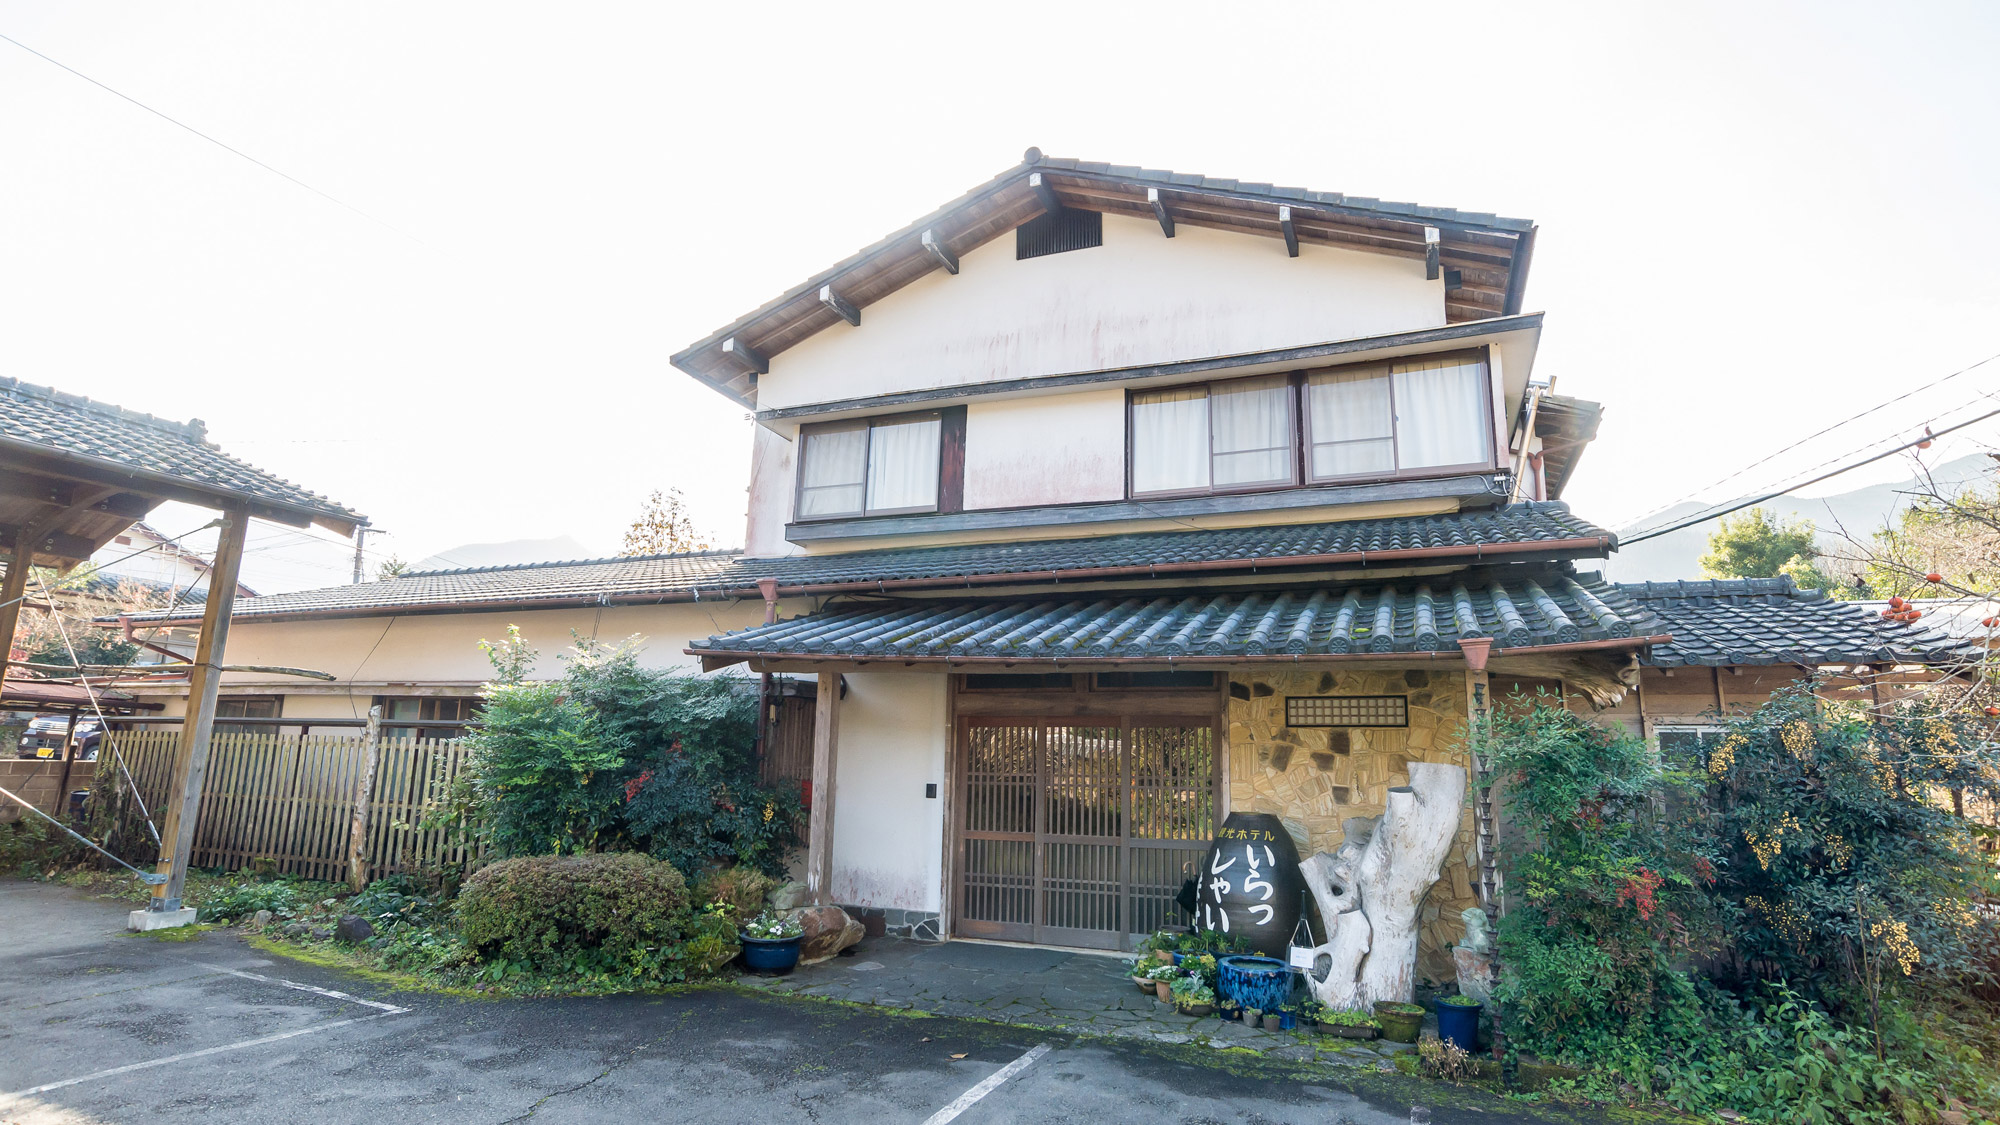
1370	888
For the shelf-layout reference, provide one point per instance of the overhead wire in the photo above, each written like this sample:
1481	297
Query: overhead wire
176	122
1626	541
1852	418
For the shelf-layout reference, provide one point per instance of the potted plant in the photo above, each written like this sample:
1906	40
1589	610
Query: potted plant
1399	1022
1163	977
1253	1017
1192	997
1228	1009
1348	1025
1288	1018
1143	966
771	943
1458	1021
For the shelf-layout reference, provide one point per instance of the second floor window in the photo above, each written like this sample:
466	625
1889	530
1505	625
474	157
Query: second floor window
871	467
1421	417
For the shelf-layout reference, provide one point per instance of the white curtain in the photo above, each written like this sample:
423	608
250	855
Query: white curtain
831	472
1352	427
1253	432
1170	440
1441	413
903	465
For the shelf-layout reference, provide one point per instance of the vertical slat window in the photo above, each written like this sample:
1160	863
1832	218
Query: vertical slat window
903	465
1353	426
834	472
1440	413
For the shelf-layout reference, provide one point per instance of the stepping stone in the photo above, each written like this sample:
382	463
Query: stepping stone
865	967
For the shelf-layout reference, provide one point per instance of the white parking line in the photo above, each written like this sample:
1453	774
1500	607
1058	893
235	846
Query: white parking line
130	1067
382	1010
386	1009
966	1100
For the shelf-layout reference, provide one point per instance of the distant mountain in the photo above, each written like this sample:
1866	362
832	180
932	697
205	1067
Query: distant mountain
560	549
1860	512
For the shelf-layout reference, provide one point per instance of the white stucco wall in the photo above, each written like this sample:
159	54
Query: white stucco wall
1048	449
888	838
1140	298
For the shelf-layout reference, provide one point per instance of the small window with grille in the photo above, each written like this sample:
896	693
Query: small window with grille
1347	711
1057	232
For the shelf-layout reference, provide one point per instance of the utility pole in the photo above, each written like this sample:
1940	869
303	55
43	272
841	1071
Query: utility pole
361	540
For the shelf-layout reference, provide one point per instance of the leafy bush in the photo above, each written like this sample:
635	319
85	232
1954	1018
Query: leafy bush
613	756
742	889
611	915
242	900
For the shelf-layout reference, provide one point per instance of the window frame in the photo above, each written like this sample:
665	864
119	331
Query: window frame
1395	424
1299	403
421	727
1292	422
951	449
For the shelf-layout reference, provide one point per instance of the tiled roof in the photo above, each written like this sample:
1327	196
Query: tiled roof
1516	611
1464	536
48	419
1772	621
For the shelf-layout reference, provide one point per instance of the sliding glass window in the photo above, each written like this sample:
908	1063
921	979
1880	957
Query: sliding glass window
869	467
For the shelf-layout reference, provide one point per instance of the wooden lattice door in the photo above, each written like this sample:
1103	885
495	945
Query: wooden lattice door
1076	832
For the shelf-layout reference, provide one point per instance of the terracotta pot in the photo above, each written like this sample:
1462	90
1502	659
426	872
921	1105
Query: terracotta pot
1198	1010
1164	991
1145	984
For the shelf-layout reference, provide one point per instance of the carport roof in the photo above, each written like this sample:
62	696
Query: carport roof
1772	621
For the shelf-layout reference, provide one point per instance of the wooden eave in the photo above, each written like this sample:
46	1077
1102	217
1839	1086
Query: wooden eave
73	505
1488	258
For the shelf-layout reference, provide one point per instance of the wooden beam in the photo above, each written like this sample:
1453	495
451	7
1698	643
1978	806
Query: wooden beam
938	250
840	305
12	589
1430	253
191	762
746	356
1160	211
819	831
1291	232
1045	193
53	544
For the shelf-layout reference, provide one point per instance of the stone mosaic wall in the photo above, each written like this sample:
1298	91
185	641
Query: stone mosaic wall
1313	778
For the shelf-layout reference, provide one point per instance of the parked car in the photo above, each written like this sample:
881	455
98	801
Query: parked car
46	735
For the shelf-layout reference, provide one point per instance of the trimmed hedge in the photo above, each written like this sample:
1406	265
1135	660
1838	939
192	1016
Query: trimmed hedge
604	913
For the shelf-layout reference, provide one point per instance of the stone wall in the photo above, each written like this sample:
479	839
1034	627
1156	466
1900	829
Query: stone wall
1314	778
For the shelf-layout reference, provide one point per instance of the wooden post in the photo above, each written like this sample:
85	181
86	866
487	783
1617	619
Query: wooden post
12	589
204	680
364	787
819	833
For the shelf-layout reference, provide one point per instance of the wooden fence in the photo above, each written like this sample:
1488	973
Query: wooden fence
289	799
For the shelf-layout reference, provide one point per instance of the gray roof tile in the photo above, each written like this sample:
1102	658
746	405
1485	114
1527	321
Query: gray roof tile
679	577
1771	621
126	439
1515	609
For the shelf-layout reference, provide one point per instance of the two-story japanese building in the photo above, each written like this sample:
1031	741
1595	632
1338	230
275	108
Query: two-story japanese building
1101	502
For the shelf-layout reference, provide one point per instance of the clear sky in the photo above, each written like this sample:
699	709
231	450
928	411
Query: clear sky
1756	219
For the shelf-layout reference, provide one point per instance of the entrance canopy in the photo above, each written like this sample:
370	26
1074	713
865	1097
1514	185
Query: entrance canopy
1545	610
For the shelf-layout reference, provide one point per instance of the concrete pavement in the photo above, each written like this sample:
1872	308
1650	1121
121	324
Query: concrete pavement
97	1025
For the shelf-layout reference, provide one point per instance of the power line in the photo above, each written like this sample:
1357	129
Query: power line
211	140
1822	433
1740	505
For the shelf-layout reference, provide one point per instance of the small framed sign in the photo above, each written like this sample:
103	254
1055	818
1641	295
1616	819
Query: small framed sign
1302	957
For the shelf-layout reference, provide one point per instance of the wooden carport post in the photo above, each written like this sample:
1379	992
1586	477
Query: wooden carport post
191	761
12	589
819	831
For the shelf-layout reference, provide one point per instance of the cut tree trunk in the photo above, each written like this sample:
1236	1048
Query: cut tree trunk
1369	890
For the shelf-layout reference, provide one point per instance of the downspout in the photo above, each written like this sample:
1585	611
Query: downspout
1527	438
769	588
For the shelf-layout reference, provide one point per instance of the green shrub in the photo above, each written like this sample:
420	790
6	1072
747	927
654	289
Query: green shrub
616	915
614	757
244	899
742	889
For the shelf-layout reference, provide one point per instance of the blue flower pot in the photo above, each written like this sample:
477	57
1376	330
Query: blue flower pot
1458	1024
770	955
1264	983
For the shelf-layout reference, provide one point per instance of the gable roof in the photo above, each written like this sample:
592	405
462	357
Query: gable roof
1490	253
1730	621
1521	531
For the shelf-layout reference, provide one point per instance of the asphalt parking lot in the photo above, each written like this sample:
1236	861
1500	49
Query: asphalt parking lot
100	1026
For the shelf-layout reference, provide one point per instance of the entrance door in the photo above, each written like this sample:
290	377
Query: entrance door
1077	832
